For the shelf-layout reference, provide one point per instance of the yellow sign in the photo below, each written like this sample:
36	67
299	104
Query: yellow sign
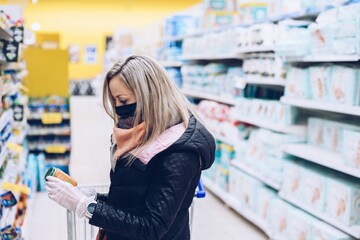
16	188
51	118
15	147
56	149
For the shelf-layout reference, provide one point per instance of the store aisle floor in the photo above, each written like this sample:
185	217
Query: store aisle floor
91	130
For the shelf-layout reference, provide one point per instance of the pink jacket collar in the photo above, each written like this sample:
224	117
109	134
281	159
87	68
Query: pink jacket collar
165	140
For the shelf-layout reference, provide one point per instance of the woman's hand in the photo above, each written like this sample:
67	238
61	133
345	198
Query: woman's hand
66	195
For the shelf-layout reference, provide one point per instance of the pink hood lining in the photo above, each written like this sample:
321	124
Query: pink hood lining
165	140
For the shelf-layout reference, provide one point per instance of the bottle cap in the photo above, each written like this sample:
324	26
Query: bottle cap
50	172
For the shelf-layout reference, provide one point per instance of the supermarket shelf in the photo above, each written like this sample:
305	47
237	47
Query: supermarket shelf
174	39
4	34
232	202
256	49
308	13
49	134
209	96
326	58
3	155
320	156
353	231
255	174
172	64
323	106
37	118
211	57
5	118
224	139
264	81
298	130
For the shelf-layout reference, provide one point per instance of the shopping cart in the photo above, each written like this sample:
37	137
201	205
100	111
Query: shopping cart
80	229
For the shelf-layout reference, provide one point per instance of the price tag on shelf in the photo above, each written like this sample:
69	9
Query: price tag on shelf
15	147
51	118
56	149
16	188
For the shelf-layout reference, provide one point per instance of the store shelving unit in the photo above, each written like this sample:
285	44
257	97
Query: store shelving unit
264	81
326	58
323	106
212	57
209	96
298	130
174	64
50	132
255	49
353	231
235	205
306	152
320	156
241	166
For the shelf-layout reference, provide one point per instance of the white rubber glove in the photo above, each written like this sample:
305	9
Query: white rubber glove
89	192
65	194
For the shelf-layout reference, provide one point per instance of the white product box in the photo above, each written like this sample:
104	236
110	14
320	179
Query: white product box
265	196
313	188
249	192
351	148
297	83
319	80
323	231
315	132
299	225
279	217
343	200
332	135
292	178
345	86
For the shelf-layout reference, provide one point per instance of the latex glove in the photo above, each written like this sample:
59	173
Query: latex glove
89	192
64	193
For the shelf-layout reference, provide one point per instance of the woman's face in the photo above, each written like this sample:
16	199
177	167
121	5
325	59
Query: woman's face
121	93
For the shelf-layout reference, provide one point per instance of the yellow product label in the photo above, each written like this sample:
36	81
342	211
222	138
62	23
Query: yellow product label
16	132
15	147
16	188
253	4
224	171
56	149
51	118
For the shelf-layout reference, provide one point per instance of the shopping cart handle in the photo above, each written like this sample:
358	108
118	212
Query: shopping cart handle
200	193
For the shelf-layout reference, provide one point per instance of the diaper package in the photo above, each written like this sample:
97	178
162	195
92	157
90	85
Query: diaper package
235	184
321	38
313	187
292	178
249	192
344	87
315	132
333	132
297	83
264	197
299	225
322	231
279	217
343	200
319	79
351	148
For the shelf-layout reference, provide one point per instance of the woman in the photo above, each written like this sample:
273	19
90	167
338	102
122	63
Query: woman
161	148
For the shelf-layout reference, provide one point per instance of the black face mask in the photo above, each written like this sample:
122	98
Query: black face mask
126	116
126	110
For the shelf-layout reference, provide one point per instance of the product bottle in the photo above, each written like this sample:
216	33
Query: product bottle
55	172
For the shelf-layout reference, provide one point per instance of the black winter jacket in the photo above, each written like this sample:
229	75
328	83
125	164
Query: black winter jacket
151	201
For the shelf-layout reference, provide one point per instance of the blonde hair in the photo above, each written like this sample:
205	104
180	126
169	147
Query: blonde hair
160	103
